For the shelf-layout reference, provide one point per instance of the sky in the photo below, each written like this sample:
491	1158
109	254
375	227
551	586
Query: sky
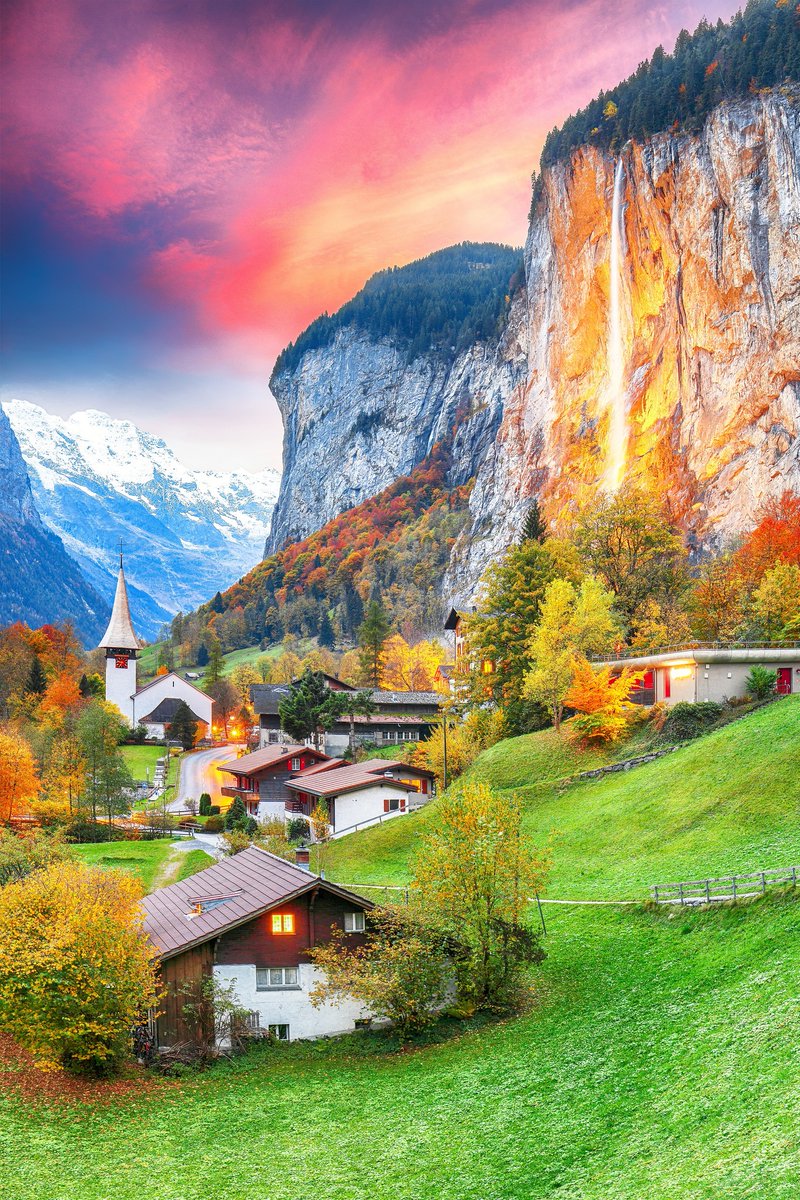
188	183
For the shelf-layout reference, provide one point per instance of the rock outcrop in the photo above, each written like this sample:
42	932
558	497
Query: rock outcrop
710	342
710	318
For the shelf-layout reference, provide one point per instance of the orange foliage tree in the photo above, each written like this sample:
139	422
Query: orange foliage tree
19	783
76	970
410	668
601	701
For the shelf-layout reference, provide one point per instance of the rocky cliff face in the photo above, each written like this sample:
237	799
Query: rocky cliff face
707	391
709	330
357	414
39	582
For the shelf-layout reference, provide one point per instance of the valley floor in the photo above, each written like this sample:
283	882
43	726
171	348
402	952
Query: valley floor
659	1057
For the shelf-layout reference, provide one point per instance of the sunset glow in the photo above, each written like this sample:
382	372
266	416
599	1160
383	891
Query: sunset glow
187	185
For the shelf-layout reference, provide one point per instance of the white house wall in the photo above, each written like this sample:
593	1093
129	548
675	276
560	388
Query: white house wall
364	805
292	1006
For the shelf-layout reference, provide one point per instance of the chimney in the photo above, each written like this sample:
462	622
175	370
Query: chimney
302	857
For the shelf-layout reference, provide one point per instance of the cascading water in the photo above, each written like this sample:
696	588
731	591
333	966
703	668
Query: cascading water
618	422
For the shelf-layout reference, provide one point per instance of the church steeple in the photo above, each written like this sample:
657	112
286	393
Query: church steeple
121	645
120	635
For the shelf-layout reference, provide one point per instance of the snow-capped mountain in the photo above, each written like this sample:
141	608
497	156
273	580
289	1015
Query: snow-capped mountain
185	533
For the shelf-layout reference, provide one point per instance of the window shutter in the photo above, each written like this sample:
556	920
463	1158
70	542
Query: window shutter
403	803
386	806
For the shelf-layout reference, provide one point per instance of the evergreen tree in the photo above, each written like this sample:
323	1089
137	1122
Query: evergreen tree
202	655
213	672
217	604
325	635
183	726
311	707
237	815
37	680
372	637
204	807
533	527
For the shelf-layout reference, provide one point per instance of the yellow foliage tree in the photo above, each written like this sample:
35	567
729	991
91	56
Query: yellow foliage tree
776	600
601	702
410	668
285	668
349	669
19	782
76	970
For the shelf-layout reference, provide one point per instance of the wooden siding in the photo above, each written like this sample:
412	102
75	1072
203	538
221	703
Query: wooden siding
181	978
254	944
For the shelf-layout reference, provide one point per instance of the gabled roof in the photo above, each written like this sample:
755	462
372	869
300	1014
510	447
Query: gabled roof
345	779
391	698
330	765
243	886
379	766
165	710
119	635
452	619
265	698
269	756
162	679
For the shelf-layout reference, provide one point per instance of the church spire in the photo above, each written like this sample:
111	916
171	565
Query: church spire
120	635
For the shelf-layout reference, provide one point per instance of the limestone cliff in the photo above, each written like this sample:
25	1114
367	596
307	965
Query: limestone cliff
709	328
706	386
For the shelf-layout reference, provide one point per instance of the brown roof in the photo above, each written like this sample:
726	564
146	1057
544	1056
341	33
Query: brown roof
267	757
379	765
330	765
344	779
248	884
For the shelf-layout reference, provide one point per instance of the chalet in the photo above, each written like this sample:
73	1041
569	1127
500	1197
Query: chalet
360	793
695	673
251	920
260	779
456	623
398	717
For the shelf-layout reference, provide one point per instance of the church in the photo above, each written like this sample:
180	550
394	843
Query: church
153	705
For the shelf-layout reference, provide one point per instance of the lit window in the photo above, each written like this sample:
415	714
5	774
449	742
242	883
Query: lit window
283	922
272	978
279	1032
354	922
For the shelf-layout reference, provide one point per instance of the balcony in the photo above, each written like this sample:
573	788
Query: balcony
245	794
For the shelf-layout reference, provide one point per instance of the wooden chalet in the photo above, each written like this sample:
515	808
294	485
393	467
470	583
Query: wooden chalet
259	779
250	921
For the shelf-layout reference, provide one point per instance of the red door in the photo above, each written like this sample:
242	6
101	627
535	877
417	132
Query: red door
784	684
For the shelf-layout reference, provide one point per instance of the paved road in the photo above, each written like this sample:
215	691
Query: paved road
199	774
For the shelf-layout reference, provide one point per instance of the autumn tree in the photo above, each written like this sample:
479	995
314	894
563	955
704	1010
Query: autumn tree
479	729
775	539
108	780
776	601
76	969
373	633
601	701
498	633
658	623
571	623
286	668
243	677
19	782
410	668
226	700
716	600
627	542
475	877
399	973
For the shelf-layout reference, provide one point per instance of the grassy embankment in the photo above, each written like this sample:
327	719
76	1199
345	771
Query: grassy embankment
155	863
659	1058
148	658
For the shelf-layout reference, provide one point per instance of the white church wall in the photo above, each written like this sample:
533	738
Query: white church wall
171	687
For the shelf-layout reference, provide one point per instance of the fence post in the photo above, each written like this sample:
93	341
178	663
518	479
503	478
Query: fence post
708	891
794	876
733	882
680	891
763	883
655	893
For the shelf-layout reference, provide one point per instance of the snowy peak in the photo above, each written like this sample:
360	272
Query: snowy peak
187	532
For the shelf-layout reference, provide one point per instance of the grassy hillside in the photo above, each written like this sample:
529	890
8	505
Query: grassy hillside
658	1058
727	802
143	859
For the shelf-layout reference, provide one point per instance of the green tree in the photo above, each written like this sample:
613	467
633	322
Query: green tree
571	623
508	607
37	680
237	815
108	780
183	726
475	877
399	973
325	636
213	672
352	705
761	683
627	542
533	527
311	708
373	633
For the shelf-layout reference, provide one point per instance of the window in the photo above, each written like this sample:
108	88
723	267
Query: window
354	922
279	1032
271	978
282	923
296	764
394	804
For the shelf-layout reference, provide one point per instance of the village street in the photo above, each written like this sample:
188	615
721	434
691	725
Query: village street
199	774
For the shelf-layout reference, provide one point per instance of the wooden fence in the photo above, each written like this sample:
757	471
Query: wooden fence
388	893
725	888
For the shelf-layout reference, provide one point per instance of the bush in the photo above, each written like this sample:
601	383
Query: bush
205	805
686	721
81	830
298	830
213	810
761	683
214	824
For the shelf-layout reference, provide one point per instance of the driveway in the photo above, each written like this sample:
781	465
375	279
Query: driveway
199	774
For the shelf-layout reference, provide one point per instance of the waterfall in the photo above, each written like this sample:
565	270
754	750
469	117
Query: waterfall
618	423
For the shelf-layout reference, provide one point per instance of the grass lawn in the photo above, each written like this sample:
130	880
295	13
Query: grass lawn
191	862
659	1058
140	759
148	658
144	859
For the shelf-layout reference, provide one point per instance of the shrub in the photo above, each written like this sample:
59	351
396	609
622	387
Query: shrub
213	810
81	830
205	804
761	683
236	813
214	824
298	830
686	721
76	970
